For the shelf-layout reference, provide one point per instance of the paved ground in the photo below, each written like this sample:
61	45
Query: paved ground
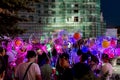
116	69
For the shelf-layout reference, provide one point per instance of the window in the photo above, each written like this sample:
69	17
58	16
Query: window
38	5
39	20
47	20
90	11
45	0
90	6
76	5
94	19
30	4
53	6
81	19
23	16
75	19
54	20
83	6
75	11
68	5
46	6
69	11
94	0
31	18
93	6
53	0
67	19
45	12
53	12
83	11
90	18
38	11
49	12
84	1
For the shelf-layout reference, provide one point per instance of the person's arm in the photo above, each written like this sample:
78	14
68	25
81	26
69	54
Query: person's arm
38	77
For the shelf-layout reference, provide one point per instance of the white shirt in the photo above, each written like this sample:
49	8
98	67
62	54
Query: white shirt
31	74
107	67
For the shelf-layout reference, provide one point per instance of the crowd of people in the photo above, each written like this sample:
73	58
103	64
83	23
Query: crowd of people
69	63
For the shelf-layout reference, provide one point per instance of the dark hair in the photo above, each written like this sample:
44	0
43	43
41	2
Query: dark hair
31	54
84	57
2	65
64	55
94	59
105	56
79	52
54	52
1	49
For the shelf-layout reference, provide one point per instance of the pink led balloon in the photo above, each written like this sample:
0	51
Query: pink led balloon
110	52
111	55
112	43
117	51
106	51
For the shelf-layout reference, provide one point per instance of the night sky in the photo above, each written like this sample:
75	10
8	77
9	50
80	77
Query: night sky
111	12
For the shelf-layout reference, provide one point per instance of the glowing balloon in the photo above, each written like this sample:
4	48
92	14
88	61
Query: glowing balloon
29	47
48	47
106	51
77	36
72	40
58	48
105	44
84	49
58	41
94	52
111	55
18	42
117	51
113	43
44	48
110	52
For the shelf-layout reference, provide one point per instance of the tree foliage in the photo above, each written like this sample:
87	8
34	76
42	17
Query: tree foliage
9	18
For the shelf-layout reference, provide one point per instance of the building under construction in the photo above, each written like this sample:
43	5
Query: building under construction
82	16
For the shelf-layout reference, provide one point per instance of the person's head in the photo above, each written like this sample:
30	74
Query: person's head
79	52
64	60
47	60
105	57
31	54
1	49
84	57
94	59
54	52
